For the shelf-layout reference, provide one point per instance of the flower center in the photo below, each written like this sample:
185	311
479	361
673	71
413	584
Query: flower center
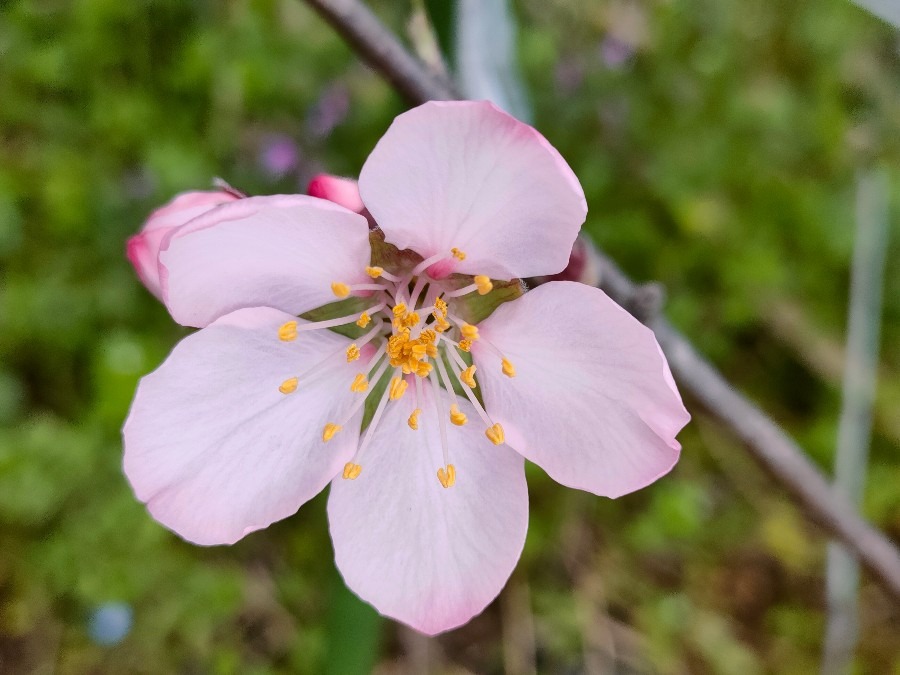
416	334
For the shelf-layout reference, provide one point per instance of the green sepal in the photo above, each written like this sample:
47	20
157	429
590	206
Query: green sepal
351	305
474	308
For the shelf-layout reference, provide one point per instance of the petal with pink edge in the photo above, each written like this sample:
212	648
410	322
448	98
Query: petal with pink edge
143	248
281	251
429	556
343	191
466	175
213	447
592	400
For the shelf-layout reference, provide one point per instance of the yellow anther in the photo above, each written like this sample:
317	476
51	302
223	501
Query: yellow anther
465	345
339	289
441	324
413	420
399	310
428	336
329	431
351	471
456	417
352	353
411	319
360	384
468	376
495	434
398	388
423	369
363	320
508	368
447	477
484	284
440	307
469	331
456	253
374	272
289	386
288	331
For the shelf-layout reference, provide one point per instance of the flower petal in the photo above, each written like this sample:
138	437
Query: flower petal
215	449
429	556
464	174
343	191
281	251
143	248
592	400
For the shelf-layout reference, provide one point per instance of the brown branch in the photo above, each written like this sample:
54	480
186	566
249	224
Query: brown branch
380	49
768	444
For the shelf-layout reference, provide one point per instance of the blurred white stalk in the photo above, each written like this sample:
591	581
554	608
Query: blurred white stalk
887	10
855	426
486	59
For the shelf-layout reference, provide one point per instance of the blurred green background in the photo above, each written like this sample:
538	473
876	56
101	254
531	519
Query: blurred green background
718	143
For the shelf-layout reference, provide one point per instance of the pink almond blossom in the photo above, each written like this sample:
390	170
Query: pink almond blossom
254	414
143	248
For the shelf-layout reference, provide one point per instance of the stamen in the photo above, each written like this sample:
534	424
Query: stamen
456	364
289	386
508	368
398	388
342	290
456	417
288	331
351	471
428	262
459	255
413	420
440	306
374	272
468	376
447	477
329	431
376	377
465	345
469	332
482	284
442	424
495	434
360	384
376	418
352	353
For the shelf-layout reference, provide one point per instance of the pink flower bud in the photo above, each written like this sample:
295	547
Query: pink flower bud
341	191
143	248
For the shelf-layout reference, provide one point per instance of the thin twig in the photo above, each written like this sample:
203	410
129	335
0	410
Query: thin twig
766	441
380	49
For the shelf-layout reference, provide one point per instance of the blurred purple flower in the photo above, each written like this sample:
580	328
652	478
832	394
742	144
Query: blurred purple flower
278	155
569	76
329	111
615	52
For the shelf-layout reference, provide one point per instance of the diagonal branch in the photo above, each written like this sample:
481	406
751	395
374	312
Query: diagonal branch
380	49
769	445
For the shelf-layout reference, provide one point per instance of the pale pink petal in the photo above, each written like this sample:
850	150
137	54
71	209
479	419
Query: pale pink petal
592	400
281	251
143	248
429	556
466	175
343	191
215	449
